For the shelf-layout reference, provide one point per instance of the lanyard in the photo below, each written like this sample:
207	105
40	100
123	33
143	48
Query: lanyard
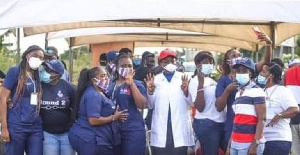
269	96
34	88
113	93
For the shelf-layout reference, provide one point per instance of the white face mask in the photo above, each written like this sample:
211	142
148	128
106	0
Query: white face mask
170	68
34	63
207	69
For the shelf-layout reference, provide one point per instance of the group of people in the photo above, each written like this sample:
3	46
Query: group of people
246	111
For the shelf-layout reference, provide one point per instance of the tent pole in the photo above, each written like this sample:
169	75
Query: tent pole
46	40
18	45
90	55
293	48
256	53
273	39
71	58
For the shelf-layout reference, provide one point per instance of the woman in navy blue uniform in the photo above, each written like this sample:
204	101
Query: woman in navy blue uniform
96	130
129	94
21	123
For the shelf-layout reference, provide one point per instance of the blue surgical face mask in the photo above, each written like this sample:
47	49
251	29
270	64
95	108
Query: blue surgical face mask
242	79
45	76
261	79
207	69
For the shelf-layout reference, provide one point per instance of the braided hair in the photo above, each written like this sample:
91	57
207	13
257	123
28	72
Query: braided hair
276	70
22	76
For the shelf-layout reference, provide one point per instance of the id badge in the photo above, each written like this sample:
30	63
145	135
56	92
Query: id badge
34	99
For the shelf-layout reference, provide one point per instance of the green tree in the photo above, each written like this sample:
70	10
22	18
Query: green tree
7	57
297	47
81	59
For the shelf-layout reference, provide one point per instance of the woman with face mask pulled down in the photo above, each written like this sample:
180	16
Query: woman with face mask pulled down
58	102
281	106
250	111
208	123
171	129
129	95
22	129
96	130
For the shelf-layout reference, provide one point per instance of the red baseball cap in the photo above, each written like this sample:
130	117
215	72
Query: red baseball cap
166	53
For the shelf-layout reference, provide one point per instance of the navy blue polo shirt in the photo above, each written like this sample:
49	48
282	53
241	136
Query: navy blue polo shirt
56	107
22	113
93	104
223	82
124	98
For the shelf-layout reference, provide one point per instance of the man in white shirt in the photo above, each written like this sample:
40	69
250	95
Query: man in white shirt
171	131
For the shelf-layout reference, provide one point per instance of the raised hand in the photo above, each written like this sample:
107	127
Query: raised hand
149	80
263	37
121	115
185	84
129	77
200	75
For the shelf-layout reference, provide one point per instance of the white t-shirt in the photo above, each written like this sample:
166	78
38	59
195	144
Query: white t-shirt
279	98
210	110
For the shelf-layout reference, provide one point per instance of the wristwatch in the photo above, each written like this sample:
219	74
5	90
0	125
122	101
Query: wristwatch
256	141
280	115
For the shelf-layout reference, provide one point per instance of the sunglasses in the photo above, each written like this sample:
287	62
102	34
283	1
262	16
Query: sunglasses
50	52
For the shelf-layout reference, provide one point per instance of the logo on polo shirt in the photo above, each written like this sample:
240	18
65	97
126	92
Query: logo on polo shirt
126	91
60	94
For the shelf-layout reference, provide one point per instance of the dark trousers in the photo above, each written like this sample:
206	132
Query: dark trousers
169	149
30	142
89	148
227	135
133	142
210	135
277	148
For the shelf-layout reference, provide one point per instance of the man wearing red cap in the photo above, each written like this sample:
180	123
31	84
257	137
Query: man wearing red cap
171	131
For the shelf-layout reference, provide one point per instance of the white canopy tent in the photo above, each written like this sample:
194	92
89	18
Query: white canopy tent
154	35
232	19
29	13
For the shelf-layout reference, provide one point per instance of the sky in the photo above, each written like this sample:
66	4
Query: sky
61	44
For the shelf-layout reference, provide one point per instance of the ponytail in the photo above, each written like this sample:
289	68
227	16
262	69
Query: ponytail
83	82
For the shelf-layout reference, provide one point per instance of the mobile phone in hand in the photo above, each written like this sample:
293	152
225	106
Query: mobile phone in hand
256	30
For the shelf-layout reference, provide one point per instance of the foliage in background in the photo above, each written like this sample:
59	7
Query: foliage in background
81	59
7	57
297	48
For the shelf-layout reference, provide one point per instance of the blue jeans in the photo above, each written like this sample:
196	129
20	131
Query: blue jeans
278	147
57	144
259	150
210	135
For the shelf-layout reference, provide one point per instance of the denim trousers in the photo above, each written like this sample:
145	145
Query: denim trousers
57	144
259	150
210	135
277	148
